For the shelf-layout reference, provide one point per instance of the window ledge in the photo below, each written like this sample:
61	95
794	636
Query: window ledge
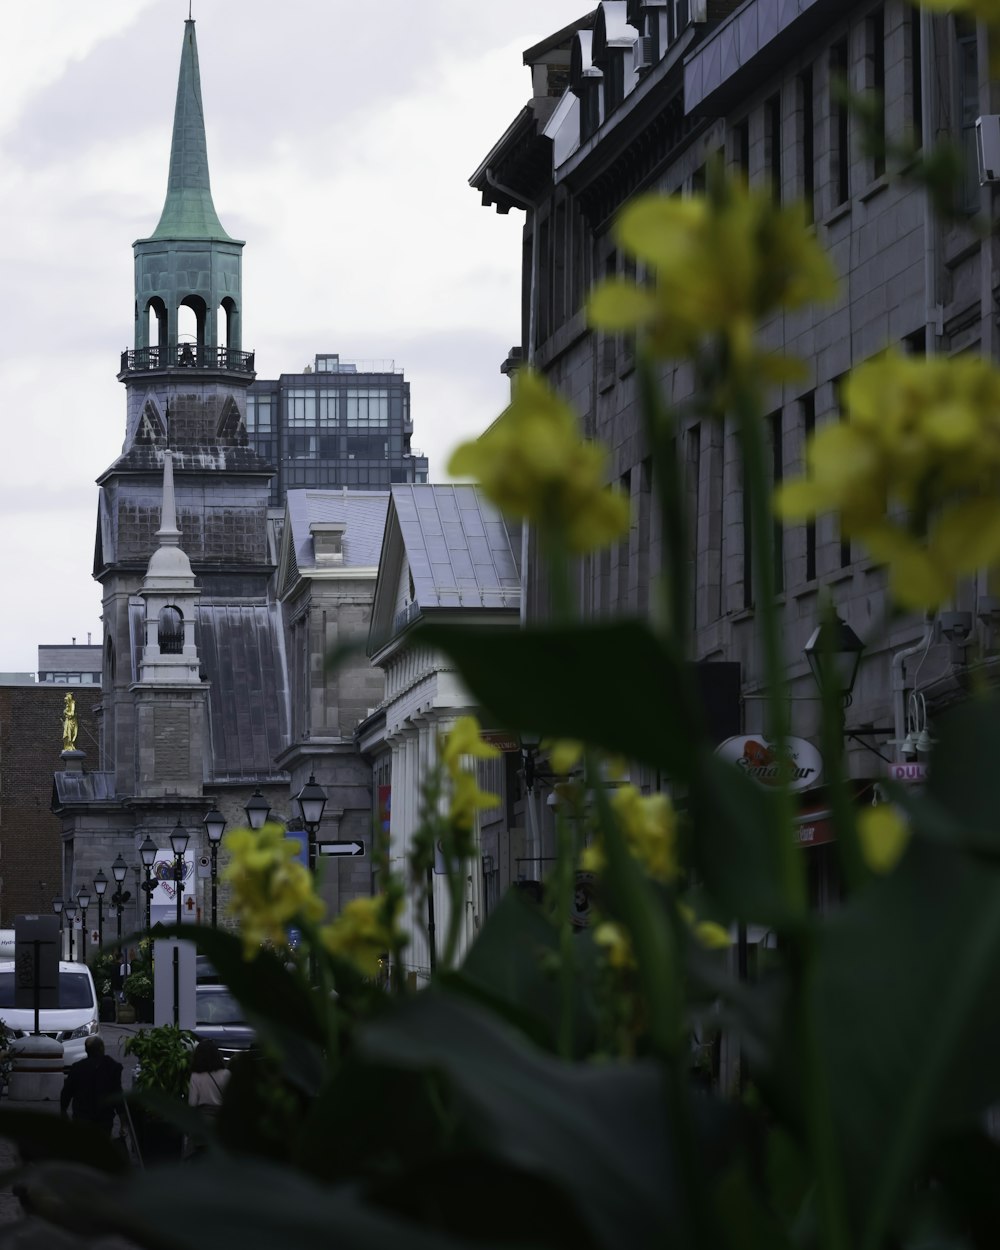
835	214
874	188
840	575
811	587
744	614
605	383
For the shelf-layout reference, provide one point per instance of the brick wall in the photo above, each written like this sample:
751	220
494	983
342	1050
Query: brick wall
30	835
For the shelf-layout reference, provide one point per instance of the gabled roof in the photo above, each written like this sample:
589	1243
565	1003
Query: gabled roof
457	551
362	515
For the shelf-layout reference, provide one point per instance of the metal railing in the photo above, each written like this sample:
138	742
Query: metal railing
186	356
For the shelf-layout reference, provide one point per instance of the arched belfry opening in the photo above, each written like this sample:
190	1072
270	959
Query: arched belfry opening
170	631
229	325
191	327
156	323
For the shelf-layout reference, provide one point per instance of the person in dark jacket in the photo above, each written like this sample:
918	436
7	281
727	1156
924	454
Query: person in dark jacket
92	1086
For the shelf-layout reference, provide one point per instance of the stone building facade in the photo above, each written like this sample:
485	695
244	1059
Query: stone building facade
641	95
217	611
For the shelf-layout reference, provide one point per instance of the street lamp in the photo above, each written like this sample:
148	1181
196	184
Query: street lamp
215	825
834	653
147	853
119	870
312	801
100	885
57	906
83	898
69	911
179	839
257	809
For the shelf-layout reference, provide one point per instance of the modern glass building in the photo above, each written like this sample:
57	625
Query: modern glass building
335	425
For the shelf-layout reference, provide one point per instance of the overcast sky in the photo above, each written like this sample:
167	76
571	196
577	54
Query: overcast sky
341	136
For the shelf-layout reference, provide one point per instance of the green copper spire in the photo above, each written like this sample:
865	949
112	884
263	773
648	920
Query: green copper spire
188	212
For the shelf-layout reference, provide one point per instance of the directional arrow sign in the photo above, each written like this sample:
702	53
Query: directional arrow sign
341	848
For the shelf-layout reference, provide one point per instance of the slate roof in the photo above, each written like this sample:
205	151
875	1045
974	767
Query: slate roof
363	513
84	788
457	547
148	458
240	651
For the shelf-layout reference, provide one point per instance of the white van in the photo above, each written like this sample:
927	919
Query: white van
72	1022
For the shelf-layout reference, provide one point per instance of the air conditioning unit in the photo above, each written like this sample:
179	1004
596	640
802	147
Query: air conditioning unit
988	147
642	51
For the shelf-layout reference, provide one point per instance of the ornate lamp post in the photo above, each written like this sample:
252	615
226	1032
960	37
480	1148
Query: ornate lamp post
215	826
83	898
179	839
834	654
257	809
57	906
100	885
147	853
312	802
69	911
119	870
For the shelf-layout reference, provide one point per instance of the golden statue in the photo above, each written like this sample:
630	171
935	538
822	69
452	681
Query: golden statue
69	723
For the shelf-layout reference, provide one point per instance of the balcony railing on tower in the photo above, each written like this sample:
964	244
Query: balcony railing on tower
185	356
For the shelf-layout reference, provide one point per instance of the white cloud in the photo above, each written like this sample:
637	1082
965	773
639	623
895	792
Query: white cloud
341	138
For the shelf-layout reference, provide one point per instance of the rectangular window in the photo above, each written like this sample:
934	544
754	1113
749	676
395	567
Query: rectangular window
328	407
916	78
772	145
777	474
692	487
366	407
300	407
544	287
838	399
968	108
609	342
807	408
840	156
559	245
875	75
741	148
624	550
258	413
644	511
808	144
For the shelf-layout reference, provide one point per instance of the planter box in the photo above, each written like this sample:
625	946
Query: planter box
124	1013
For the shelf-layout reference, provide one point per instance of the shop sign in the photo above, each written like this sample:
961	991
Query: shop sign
502	741
813	829
759	758
908	773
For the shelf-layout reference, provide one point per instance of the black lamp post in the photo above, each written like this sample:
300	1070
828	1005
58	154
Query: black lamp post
179	839
57	906
215	826
83	898
147	853
69	911
100	885
119	870
312	802
257	809
834	653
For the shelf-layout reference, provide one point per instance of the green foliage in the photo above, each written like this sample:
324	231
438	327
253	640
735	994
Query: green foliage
164	1059
137	988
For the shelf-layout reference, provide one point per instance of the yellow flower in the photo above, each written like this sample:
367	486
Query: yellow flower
270	889
467	799
710	934
615	941
564	755
649	827
913	471
363	932
533	464
720	262
464	739
884	835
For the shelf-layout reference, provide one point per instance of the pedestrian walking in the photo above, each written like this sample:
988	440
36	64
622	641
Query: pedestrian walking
208	1080
93	1086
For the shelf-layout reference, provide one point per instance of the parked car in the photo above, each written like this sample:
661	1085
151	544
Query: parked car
72	1022
218	1017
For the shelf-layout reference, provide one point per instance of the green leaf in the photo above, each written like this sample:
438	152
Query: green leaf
278	1001
563	683
598	1132
906	1002
504	971
242	1204
736	827
962	774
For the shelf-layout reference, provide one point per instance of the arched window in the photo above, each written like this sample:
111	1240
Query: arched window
156	324
191	320
229	324
170	631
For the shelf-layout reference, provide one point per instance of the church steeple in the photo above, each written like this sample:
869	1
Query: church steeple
188	211
188	272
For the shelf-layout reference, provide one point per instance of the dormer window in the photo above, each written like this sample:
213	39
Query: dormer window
585	84
170	631
613	42
328	541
